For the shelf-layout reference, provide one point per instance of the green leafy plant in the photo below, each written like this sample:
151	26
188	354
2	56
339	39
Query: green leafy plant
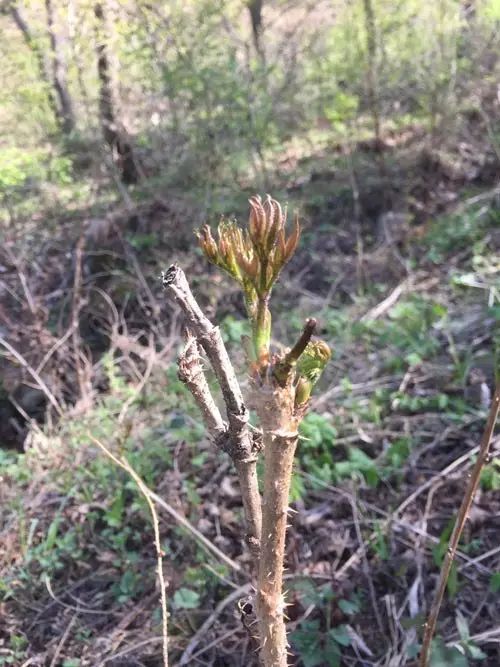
495	582
439	552
317	648
466	643
317	450
446	656
128	586
458	654
316	641
410	330
185	598
16	650
490	477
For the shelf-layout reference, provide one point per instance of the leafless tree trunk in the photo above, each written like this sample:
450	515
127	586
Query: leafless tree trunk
255	10
34	47
53	74
113	134
372	74
59	79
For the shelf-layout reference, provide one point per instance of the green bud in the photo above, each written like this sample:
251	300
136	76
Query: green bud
303	391
313	360
254	258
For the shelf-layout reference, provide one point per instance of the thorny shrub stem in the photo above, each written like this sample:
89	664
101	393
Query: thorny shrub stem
281	386
280	440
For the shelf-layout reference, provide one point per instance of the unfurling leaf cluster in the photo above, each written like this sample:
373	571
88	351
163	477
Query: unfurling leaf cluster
310	366
254	257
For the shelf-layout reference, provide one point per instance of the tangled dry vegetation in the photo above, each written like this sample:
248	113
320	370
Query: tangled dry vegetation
89	344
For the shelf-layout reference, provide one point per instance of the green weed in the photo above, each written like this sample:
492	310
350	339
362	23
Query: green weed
316	640
15	651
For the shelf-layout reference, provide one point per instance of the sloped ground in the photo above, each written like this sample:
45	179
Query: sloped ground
406	293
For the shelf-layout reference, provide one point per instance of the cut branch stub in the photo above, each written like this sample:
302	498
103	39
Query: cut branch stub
284	367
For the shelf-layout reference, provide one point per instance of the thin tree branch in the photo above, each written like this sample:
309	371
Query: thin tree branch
204	542
19	357
461	520
239	443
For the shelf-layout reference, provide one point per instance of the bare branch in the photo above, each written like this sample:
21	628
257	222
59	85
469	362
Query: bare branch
191	373
238	593
239	443
462	516
211	341
22	361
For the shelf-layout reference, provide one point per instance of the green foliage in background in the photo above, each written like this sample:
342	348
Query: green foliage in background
114	512
202	107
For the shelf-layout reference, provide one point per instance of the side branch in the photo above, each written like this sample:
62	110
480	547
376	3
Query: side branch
192	375
239	442
460	522
284	367
174	279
